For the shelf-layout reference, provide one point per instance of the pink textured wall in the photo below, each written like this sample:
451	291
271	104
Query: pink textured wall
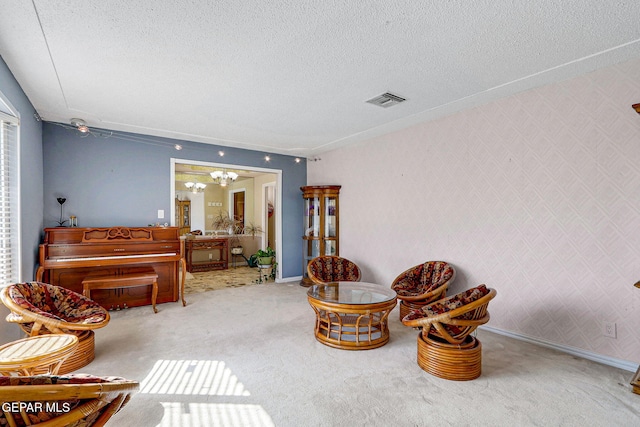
536	195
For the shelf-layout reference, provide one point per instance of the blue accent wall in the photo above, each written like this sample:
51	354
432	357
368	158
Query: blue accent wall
124	179
31	175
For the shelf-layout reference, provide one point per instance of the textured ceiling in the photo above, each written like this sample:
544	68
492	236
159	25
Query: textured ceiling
292	76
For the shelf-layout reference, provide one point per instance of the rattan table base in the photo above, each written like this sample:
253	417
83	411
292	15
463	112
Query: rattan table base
358	321
82	356
362	331
451	362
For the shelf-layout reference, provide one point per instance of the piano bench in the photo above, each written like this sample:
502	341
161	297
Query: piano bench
144	278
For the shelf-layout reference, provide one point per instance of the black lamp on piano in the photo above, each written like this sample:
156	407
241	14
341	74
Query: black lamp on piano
61	200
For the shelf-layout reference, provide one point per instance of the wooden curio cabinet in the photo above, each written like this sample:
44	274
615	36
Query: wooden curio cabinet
320	224
183	216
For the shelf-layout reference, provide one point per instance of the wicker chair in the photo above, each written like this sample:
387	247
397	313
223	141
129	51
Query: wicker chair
40	308
422	284
445	347
74	400
329	268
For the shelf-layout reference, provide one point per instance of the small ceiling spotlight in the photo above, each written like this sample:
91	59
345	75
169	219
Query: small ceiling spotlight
80	124
178	147
267	158
297	159
221	153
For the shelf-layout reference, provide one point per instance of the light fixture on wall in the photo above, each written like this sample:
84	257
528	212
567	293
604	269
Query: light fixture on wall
195	187
223	177
636	107
80	124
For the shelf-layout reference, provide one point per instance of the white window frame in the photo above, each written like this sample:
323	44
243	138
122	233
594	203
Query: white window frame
10	218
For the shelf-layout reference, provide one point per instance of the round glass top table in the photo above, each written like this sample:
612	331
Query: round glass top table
352	315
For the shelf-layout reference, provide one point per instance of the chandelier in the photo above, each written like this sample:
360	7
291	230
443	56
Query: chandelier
195	187
223	177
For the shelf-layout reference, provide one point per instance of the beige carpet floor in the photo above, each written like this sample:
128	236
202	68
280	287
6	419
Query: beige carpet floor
246	356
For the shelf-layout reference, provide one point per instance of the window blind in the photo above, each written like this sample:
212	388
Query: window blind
9	201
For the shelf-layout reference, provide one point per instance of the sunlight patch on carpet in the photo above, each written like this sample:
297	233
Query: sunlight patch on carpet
192	377
179	414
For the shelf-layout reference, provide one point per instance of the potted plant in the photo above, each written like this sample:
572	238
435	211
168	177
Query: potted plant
249	230
223	222
265	257
252	229
234	243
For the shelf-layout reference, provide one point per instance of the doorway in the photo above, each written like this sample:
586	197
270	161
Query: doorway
268	210
246	198
237	209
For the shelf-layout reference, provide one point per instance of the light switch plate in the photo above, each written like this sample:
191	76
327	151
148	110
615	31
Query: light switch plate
160	213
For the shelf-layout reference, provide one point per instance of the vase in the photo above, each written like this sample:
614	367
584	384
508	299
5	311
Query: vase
265	260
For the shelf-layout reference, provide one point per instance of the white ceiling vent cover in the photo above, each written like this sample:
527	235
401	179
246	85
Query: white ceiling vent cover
386	100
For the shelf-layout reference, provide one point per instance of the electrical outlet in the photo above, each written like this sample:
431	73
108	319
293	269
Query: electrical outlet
609	329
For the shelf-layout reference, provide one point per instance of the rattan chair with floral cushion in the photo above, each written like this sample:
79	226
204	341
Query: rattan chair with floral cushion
329	268
422	284
445	345
41	308
56	401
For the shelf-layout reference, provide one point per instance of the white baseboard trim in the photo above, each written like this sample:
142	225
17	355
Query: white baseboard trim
605	360
289	279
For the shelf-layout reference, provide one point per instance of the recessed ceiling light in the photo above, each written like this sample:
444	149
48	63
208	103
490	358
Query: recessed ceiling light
178	147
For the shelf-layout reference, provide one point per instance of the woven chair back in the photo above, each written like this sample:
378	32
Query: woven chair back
325	269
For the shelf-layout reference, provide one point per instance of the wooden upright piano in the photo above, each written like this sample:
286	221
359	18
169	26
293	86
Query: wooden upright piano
68	255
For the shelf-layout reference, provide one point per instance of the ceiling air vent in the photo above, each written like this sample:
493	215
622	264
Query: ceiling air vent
386	100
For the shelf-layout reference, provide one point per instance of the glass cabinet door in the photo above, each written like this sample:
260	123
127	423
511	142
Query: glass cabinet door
186	217
312	217
330	247
330	217
320	224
